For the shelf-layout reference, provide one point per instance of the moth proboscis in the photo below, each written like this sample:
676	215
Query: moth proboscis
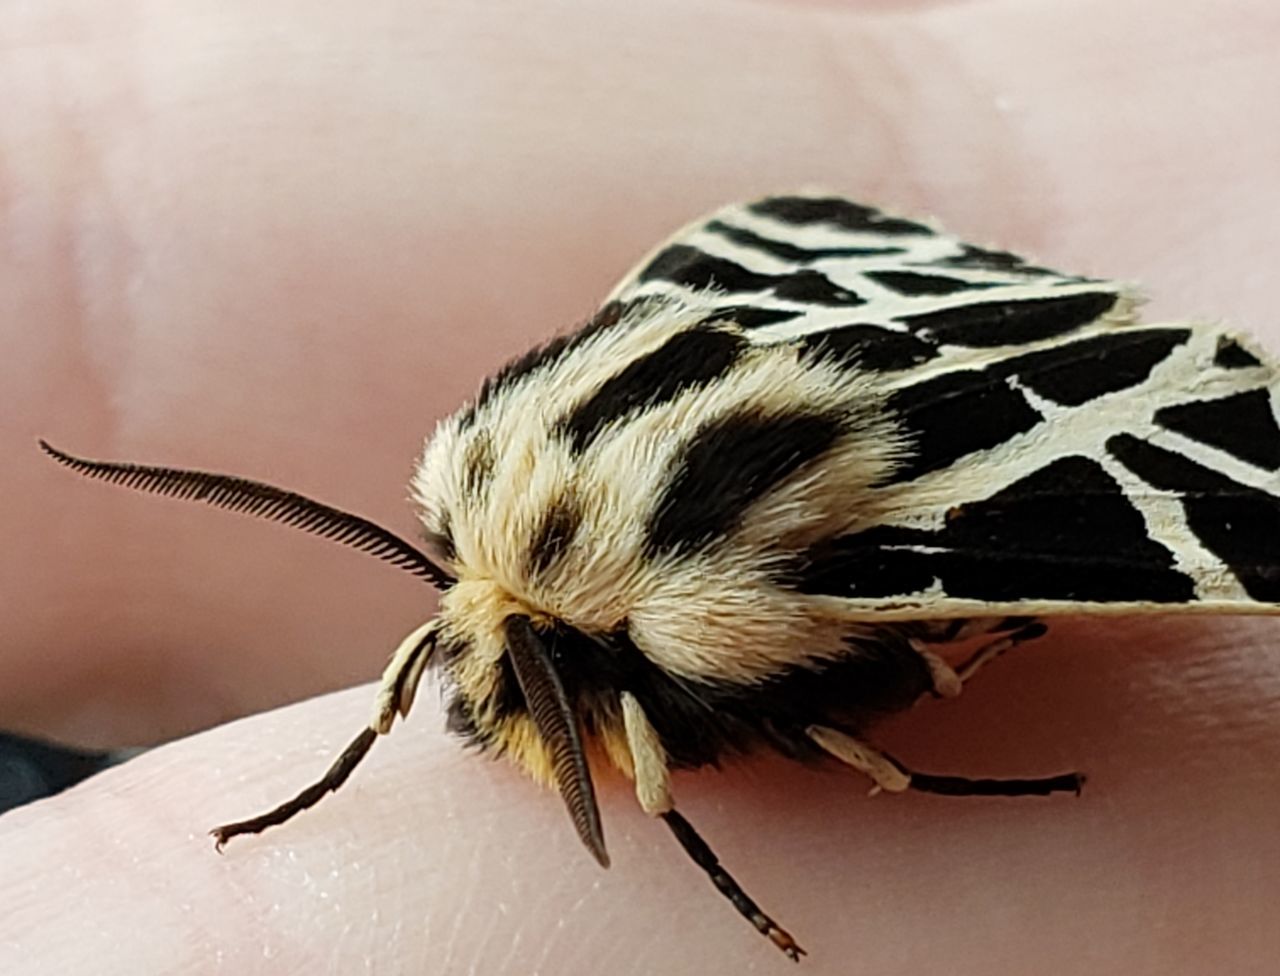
802	449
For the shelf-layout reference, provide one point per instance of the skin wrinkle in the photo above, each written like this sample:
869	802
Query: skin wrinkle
324	229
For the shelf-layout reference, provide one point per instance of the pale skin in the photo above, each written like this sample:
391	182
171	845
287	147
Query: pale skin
282	240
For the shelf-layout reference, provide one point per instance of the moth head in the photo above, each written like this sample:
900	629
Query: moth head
508	695
507	691
507	688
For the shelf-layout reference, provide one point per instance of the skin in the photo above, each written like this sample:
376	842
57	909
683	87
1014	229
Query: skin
281	242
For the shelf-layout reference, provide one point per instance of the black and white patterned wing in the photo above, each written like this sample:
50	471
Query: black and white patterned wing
1060	457
889	293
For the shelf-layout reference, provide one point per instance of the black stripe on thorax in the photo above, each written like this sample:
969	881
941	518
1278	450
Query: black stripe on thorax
554	533
726	467
687	361
478	463
608	316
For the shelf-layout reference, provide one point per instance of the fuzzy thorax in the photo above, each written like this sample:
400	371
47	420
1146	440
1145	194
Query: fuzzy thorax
652	474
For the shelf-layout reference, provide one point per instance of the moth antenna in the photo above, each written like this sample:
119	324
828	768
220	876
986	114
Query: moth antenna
264	501
558	728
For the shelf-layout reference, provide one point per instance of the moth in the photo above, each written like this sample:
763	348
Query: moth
801	449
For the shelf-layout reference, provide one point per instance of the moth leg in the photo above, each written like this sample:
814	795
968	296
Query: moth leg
946	682
892	776
886	774
395	695
648	759
963	628
706	859
653	790
400	678
1027	631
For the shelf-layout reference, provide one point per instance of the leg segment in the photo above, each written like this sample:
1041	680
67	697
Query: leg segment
648	759
653	790
335	776
947	681
892	776
990	651
886	774
706	859
395	695
401	677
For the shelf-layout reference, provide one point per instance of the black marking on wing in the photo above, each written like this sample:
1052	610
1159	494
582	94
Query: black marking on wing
955	414
868	347
726	467
836	212
916	283
1242	424
1074	373
1015	321
692	268
753	316
1231	355
983	259
1065	532
790	252
560	523
687	361
1238	524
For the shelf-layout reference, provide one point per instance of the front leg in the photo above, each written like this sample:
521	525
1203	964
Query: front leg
653	789
395	695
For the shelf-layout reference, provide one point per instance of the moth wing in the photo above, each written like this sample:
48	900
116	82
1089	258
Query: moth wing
1060	458
893	293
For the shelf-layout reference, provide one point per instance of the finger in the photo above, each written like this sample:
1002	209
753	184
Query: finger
290	267
432	861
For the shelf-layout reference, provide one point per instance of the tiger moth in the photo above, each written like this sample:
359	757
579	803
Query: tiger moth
800	450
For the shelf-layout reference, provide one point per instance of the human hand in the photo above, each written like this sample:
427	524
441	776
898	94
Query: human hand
282	242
